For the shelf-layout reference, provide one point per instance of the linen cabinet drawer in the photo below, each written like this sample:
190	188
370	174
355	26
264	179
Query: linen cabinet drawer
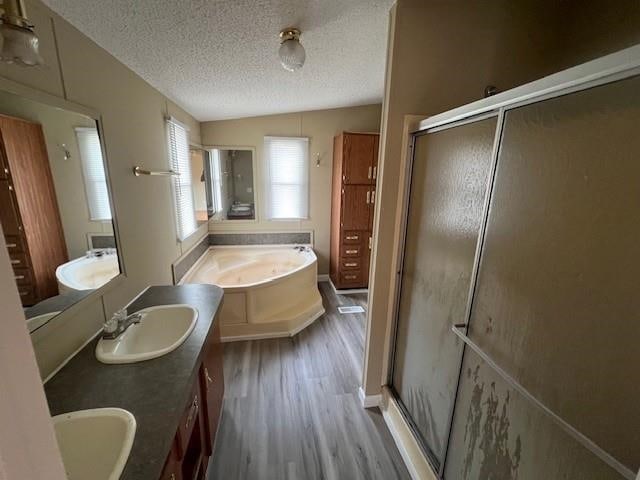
14	244
350	263
351	237
18	260
351	250
351	277
23	276
27	294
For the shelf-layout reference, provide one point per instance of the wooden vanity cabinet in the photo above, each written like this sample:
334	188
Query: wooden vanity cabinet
194	441
212	386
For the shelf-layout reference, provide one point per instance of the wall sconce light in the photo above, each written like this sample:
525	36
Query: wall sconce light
19	42
65	151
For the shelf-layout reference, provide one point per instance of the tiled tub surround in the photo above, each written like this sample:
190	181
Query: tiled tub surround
184	263
154	391
261	238
270	291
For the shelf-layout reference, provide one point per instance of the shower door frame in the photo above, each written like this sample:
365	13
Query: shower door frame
611	68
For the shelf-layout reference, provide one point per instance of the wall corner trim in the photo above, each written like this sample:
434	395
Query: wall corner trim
369	401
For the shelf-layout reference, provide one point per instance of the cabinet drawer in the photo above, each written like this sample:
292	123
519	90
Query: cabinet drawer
188	421
351	250
18	260
350	263
23	276
171	470
14	243
351	237
351	277
27	295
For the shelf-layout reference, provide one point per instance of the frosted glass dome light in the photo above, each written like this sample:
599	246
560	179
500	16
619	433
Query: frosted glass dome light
291	52
19	42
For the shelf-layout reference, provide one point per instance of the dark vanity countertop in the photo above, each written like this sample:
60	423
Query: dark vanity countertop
155	391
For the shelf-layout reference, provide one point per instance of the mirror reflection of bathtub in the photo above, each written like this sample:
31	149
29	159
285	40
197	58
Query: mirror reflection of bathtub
89	272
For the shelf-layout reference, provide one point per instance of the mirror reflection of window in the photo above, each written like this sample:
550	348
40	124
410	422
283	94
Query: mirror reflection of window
198	184
95	180
232	184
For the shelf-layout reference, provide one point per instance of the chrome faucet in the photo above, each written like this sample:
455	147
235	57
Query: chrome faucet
119	323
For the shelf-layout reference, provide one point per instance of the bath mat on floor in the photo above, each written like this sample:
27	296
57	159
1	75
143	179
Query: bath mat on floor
353	309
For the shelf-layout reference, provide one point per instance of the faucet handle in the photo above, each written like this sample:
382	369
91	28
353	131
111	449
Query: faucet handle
111	325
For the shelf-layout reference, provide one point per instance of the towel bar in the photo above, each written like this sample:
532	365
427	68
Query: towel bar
137	171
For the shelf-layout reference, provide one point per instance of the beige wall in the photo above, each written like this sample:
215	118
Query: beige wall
320	126
442	55
132	115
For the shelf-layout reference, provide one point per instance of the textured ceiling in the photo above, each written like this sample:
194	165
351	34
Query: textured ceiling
218	58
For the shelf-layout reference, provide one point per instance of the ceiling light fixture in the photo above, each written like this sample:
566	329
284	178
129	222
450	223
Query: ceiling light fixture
19	42
292	54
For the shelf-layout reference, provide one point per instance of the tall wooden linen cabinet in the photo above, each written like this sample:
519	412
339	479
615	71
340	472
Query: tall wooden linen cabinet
355	170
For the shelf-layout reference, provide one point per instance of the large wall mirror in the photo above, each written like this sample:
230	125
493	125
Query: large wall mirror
230	183
55	206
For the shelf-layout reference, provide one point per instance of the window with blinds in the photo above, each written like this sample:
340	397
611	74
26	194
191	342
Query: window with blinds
95	180
179	162
287	161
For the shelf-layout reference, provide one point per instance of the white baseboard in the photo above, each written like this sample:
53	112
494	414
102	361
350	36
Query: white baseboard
323	277
351	291
415	461
369	401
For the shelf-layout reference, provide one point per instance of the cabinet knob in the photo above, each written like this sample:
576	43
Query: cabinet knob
369	172
206	374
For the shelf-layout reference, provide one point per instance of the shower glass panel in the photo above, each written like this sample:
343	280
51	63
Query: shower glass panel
447	192
556	302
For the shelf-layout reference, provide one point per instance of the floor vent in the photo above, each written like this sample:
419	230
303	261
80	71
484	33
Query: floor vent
353	309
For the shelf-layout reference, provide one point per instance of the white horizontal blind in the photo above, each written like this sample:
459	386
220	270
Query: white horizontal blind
95	180
178	147
287	160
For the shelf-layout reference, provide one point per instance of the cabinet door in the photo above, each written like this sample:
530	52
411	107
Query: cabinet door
358	159
171	470
212	375
355	207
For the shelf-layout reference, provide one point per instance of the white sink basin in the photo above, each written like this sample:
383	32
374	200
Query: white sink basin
161	330
95	443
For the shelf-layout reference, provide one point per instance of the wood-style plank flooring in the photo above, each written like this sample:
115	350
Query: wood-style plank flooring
292	409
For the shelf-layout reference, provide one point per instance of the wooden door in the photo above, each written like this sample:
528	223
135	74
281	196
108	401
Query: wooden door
355	207
358	159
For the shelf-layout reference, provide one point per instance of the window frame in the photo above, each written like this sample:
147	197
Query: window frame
178	182
267	175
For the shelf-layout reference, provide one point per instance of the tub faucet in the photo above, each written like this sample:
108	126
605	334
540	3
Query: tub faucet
119	323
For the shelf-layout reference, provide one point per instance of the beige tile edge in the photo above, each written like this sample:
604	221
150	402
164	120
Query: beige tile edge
410	451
